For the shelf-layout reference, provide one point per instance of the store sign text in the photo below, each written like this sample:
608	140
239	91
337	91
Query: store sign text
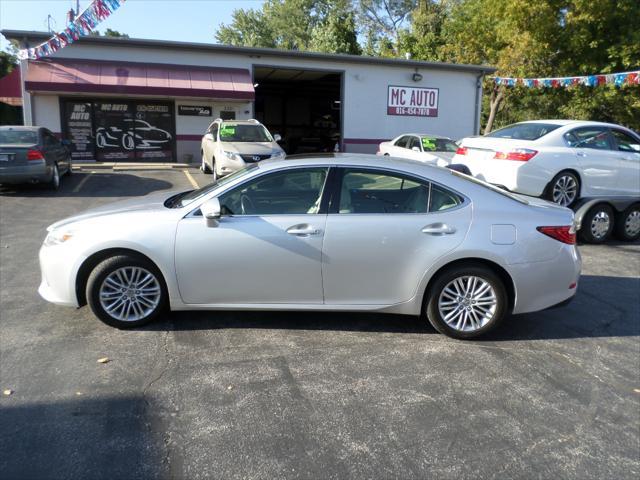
412	101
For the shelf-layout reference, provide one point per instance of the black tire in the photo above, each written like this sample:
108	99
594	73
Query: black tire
597	224
432	309
107	267
213	170
204	167
54	183
625	228
557	182
69	169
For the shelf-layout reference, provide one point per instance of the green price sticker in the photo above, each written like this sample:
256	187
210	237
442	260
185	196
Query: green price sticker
428	143
227	131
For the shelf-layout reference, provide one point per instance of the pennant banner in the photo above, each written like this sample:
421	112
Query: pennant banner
83	25
617	79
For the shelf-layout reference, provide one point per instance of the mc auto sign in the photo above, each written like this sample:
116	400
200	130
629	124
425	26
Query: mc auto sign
412	101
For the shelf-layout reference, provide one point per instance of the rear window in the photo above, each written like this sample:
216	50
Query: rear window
18	137
524	131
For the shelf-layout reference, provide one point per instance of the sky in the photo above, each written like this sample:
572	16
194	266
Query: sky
179	20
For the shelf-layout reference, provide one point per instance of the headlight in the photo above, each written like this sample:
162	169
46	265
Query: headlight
57	237
279	154
232	155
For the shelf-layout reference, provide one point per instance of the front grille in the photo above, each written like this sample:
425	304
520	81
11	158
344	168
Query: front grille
254	158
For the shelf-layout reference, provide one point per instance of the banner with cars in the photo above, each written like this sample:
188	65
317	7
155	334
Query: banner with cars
617	79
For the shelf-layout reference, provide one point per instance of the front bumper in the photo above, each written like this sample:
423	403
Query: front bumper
57	284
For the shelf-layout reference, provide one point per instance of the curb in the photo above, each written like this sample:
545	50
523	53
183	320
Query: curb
132	166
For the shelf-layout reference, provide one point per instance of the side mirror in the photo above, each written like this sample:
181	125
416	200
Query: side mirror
415	149
277	137
211	212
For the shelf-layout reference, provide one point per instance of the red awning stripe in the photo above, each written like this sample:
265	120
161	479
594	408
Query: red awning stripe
87	76
10	91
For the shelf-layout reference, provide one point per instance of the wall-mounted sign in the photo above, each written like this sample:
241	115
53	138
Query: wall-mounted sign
194	110
412	101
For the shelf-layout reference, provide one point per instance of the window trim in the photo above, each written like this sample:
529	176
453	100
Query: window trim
334	205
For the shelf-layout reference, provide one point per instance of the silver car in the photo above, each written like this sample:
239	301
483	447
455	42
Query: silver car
338	232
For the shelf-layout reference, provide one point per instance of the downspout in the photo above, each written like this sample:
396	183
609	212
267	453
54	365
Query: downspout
27	111
478	108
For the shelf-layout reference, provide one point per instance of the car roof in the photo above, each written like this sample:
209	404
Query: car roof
574	123
241	122
430	135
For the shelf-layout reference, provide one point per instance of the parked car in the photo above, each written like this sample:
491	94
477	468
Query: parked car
333	232
229	145
417	146
560	160
32	155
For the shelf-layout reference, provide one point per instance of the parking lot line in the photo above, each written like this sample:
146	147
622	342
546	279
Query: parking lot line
191	179
82	182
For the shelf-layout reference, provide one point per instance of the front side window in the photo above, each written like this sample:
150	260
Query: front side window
378	192
233	132
214	130
625	142
590	137
289	192
415	143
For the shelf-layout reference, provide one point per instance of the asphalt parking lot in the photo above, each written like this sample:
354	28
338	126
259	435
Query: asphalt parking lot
298	395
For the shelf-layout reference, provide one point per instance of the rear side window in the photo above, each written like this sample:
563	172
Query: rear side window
18	137
402	142
524	131
625	142
589	137
443	199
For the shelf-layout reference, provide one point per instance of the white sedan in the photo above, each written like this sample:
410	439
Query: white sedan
560	160
344	232
432	149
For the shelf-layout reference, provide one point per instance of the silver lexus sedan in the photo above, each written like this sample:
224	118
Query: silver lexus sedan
338	232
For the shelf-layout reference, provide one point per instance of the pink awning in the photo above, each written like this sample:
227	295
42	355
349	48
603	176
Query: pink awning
10	91
92	76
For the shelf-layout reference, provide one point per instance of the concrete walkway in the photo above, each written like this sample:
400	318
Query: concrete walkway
132	166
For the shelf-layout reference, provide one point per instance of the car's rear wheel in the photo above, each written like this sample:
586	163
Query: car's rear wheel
597	224
204	167
126	291
54	183
627	227
466	302
564	189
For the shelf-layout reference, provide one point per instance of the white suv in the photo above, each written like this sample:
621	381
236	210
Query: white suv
228	145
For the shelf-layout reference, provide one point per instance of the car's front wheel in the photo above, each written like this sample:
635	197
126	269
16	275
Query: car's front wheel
564	189
126	291
466	301
204	167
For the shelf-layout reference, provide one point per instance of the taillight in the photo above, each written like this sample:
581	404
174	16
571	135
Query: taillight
564	234
461	151
519	154
34	155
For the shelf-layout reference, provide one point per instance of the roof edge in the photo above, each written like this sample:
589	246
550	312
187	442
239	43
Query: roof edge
37	36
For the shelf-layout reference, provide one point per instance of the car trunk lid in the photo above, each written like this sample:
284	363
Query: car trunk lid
14	155
485	148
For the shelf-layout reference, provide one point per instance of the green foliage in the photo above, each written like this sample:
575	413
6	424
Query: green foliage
324	26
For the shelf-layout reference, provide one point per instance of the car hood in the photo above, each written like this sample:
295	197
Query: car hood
151	202
251	148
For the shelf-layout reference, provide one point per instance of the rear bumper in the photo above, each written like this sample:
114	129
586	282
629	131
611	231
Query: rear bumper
25	174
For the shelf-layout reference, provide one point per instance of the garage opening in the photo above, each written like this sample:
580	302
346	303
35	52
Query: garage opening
303	106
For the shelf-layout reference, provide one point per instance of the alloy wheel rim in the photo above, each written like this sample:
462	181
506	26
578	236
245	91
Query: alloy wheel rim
467	303
600	224
565	190
129	294
632	223
56	176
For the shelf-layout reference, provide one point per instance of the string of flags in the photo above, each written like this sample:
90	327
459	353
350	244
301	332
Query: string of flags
81	26
617	79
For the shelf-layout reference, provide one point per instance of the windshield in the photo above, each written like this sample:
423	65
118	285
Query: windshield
524	131
185	198
430	144
18	137
230	132
506	193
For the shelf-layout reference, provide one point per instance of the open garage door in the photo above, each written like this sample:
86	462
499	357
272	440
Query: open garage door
303	106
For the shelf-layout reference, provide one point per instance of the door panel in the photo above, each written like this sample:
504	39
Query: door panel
628	153
380	259
250	259
598	163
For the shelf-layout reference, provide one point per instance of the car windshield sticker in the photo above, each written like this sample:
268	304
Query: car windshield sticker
428	143
227	131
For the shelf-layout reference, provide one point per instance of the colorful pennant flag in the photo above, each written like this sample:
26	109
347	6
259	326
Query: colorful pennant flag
617	79
83	25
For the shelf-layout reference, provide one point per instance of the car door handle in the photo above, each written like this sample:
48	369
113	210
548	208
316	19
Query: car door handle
438	229
303	230
581	154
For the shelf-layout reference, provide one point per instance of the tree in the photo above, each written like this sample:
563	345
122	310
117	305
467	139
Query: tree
109	33
326	26
382	24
